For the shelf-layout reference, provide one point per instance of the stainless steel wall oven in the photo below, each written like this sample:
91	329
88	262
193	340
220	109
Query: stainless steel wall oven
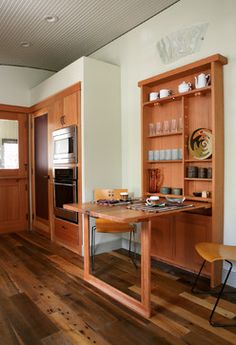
65	184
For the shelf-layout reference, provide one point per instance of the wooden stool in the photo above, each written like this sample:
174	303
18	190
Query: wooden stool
213	252
107	226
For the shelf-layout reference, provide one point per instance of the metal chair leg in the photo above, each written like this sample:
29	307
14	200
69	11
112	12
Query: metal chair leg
93	247
197	277
216	324
212	323
130	241
133	257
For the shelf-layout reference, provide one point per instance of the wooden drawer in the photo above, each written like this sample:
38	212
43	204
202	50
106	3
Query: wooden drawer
66	233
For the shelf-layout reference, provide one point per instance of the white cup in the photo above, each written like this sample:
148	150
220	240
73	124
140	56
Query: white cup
162	155
184	87
156	155
150	155
152	200
164	93
168	155
124	196
153	96
175	154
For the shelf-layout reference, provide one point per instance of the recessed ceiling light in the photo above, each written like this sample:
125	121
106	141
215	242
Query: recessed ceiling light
51	19
25	44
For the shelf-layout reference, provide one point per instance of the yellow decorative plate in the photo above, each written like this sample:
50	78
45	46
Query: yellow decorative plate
200	144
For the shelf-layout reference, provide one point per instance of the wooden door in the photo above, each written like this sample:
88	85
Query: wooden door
13	171
40	172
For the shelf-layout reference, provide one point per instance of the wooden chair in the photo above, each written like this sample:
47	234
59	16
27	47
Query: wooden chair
107	226
212	252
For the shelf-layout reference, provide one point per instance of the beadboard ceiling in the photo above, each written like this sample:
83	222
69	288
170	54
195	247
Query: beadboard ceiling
83	26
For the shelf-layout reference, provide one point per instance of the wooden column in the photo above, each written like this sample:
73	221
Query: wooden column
146	267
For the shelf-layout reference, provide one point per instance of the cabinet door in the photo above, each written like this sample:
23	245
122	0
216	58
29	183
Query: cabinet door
189	230
66	233
162	238
65	111
57	113
70	109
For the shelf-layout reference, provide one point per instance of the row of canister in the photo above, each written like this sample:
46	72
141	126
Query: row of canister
199	172
162	155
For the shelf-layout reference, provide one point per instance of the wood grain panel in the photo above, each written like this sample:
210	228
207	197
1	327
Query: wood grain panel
41	166
162	237
13	205
66	233
189	230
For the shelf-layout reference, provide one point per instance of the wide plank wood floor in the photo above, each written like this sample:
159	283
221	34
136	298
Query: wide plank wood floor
44	300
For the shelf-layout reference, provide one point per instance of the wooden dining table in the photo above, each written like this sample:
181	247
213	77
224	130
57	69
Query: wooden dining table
123	214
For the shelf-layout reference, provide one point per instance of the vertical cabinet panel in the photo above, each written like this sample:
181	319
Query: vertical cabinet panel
162	238
189	230
13	205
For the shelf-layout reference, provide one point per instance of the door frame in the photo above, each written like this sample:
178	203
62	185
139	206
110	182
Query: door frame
39	224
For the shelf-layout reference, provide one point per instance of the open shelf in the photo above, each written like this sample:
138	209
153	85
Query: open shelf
187	197
197	179
164	135
198	161
165	161
177	97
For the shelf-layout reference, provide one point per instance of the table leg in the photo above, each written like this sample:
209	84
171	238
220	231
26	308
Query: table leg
146	267
143	307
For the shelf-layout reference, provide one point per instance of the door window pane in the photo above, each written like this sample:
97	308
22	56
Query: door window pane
9	144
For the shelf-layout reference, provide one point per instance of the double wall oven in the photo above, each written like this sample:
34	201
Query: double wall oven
65	172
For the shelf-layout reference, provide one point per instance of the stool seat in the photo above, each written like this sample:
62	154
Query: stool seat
214	251
108	226
104	225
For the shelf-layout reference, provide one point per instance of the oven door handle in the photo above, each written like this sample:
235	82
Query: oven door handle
65	184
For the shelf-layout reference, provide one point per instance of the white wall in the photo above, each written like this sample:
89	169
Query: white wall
138	58
16	83
68	76
101	127
100	119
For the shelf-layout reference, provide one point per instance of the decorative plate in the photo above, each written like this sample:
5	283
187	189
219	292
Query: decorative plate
200	144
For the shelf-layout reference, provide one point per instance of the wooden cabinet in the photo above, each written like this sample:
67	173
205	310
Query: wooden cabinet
190	229
66	110
62	109
67	234
167	125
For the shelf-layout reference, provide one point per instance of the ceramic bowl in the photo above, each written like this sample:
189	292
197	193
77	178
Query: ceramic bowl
175	200
176	191
165	190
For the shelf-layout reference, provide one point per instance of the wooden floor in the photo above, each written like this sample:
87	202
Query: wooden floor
43	300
